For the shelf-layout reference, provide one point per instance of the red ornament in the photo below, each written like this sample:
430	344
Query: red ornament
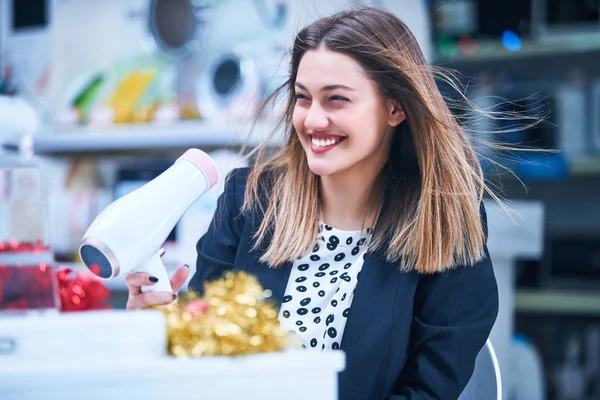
81	292
26	276
13	246
24	285
196	307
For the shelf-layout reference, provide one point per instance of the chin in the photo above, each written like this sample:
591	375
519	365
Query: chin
321	169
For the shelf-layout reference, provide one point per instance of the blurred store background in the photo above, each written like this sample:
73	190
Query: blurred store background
102	95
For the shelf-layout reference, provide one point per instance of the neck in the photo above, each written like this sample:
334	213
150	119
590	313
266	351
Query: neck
346	200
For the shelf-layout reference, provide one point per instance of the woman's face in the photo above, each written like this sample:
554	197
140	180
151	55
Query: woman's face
343	122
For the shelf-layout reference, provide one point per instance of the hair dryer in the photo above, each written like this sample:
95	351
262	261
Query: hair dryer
128	234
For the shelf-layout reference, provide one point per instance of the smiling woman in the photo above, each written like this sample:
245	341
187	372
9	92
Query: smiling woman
367	225
373	153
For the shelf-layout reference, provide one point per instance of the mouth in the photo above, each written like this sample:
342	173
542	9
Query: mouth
323	143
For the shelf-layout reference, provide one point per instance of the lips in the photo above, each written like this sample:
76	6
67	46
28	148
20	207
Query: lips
324	143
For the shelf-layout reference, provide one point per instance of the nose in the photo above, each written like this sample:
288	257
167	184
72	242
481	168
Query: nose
316	118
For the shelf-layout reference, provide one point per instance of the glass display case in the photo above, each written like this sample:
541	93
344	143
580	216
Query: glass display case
27	273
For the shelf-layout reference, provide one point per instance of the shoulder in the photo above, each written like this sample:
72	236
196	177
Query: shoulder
236	185
238	180
462	295
471	287
237	177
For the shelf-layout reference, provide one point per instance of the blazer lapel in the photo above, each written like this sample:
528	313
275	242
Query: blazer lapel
276	279
369	326
273	279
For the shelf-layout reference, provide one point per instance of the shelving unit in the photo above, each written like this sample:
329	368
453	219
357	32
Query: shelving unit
140	137
143	137
553	301
490	50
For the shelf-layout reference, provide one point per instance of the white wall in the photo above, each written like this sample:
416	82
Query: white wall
238	19
88	35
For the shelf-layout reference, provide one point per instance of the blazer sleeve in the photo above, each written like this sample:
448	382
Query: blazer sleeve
453	316
217	248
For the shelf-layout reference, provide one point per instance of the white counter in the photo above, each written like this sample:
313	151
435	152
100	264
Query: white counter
104	355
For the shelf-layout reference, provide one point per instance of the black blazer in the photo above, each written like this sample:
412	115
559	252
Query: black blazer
408	336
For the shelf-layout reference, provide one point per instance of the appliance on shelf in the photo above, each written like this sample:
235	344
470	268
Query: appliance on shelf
26	28
564	16
235	80
177	26
563	121
215	80
480	19
572	261
527	18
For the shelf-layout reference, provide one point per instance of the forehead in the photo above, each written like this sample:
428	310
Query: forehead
323	67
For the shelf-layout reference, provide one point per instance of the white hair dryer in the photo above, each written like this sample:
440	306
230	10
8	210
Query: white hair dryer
128	234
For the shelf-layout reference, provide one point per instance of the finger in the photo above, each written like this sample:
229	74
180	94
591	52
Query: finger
135	280
149	299
179	278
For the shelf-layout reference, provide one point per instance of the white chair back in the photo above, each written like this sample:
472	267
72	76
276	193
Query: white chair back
486	382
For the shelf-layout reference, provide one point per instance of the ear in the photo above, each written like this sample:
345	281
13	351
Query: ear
395	113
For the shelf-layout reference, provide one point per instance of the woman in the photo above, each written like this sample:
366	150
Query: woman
367	225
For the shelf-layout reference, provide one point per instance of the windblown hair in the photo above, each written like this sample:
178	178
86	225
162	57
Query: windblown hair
433	182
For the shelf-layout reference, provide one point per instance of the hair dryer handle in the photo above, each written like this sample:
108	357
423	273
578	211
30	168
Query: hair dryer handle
157	269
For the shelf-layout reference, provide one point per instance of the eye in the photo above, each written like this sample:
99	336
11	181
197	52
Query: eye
300	96
338	98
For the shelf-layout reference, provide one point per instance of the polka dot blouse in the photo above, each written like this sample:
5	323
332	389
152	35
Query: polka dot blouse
321	287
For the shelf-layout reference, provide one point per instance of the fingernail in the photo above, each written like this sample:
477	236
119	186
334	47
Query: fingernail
153	279
187	266
174	297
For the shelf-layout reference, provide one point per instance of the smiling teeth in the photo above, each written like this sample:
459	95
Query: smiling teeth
325	142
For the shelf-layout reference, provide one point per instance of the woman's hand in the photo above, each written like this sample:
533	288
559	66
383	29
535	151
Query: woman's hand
139	300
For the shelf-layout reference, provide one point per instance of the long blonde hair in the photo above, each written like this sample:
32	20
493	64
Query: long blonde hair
433	185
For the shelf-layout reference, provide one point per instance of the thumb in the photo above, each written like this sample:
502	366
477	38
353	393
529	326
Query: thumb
179	278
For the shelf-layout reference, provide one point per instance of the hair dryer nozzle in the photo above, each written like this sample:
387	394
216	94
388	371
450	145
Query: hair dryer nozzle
99	258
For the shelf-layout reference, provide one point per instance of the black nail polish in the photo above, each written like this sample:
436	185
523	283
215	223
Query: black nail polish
153	279
187	266
174	297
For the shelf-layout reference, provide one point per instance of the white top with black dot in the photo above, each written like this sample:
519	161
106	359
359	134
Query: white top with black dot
321	287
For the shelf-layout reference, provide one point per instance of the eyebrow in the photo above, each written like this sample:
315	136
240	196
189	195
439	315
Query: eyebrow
327	88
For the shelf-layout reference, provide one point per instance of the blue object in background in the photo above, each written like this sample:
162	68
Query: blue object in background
530	167
542	167
511	41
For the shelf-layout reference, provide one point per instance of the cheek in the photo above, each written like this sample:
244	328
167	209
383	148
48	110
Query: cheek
366	123
298	120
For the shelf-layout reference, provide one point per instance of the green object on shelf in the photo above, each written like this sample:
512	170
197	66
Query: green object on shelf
87	96
448	47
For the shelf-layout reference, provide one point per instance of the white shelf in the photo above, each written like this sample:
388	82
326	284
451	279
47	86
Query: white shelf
141	137
490	50
585	166
553	301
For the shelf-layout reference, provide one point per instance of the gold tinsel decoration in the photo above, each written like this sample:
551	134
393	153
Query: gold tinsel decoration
235	316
